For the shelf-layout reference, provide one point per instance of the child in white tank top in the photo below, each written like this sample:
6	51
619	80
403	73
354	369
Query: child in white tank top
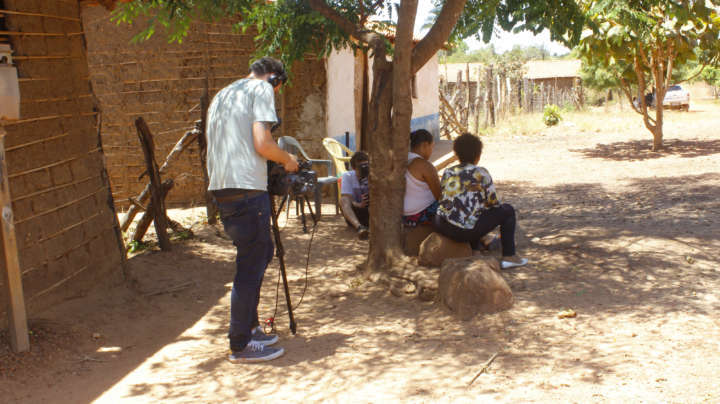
422	186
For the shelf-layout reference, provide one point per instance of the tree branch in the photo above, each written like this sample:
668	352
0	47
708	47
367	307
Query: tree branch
641	94
702	68
671	60
438	34
625	87
343	23
641	51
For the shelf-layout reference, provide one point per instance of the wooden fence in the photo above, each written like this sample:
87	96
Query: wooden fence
477	101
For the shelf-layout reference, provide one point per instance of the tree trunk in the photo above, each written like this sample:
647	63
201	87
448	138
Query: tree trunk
389	128
657	130
390	113
386	176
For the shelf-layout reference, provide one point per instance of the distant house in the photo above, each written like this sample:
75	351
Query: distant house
561	74
558	72
543	82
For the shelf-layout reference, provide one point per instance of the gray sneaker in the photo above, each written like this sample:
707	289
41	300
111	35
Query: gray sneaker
255	352
265	339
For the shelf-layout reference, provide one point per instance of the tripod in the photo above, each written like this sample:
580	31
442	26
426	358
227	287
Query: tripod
281	250
300	200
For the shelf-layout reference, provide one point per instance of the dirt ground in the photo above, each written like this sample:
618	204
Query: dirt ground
626	238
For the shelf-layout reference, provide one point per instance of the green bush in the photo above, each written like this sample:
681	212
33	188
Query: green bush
551	115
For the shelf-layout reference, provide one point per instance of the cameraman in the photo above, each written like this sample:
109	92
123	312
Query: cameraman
239	145
355	194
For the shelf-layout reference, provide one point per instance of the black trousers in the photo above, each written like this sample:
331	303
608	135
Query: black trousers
362	215
503	216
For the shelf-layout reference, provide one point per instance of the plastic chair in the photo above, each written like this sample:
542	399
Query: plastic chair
340	161
291	145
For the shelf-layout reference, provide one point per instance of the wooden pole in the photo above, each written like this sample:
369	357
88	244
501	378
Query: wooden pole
478	99
466	115
156	196
210	207
491	90
19	340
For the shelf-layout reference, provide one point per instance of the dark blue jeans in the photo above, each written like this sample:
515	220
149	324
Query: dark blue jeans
247	222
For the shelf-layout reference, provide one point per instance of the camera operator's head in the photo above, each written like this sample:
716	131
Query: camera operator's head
269	69
360	162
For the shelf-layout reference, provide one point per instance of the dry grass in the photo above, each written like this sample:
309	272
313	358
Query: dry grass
614	118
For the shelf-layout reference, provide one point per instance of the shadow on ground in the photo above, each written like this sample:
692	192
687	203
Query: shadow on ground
638	150
644	253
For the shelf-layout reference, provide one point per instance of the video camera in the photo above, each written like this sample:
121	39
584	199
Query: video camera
363	170
281	182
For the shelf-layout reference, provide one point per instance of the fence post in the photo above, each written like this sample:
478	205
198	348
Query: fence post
490	104
466	114
478	100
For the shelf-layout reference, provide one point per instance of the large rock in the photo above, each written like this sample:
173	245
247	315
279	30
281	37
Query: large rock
413	237
437	248
469	286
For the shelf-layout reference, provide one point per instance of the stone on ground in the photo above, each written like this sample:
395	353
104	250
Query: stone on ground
413	237
469	286
437	248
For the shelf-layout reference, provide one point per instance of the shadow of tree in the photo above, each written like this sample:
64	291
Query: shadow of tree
608	255
620	244
639	150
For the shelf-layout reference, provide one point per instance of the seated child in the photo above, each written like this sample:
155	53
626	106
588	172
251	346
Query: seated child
422	186
469	207
355	194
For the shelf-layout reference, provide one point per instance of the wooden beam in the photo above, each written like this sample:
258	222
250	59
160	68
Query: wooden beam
156	194
19	339
210	207
23	13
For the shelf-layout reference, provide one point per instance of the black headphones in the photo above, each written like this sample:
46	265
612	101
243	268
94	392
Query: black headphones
274	80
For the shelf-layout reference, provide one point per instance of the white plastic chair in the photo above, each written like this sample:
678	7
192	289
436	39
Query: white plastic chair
291	145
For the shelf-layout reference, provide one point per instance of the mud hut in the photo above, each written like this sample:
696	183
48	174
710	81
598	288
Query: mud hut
65	224
163	82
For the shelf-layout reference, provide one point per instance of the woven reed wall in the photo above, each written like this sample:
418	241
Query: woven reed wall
64	218
163	83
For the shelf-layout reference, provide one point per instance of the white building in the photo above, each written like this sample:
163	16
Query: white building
345	94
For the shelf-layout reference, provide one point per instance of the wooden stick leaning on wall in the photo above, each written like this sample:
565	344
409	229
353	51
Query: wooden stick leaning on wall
156	195
149	215
137	203
19	339
210	206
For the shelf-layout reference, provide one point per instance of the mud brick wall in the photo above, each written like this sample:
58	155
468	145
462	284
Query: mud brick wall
163	83
64	218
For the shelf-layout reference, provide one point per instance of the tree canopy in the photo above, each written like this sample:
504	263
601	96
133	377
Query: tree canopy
644	43
292	29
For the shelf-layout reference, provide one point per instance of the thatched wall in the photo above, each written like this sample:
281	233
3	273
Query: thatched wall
163	83
64	217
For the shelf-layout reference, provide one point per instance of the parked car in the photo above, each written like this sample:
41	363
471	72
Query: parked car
675	97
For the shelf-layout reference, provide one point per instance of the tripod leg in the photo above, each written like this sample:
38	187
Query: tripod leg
312	215
281	258
301	200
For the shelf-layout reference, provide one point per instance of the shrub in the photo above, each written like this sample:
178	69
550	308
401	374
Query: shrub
551	115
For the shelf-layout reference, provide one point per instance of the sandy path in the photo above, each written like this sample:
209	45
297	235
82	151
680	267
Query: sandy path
625	237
